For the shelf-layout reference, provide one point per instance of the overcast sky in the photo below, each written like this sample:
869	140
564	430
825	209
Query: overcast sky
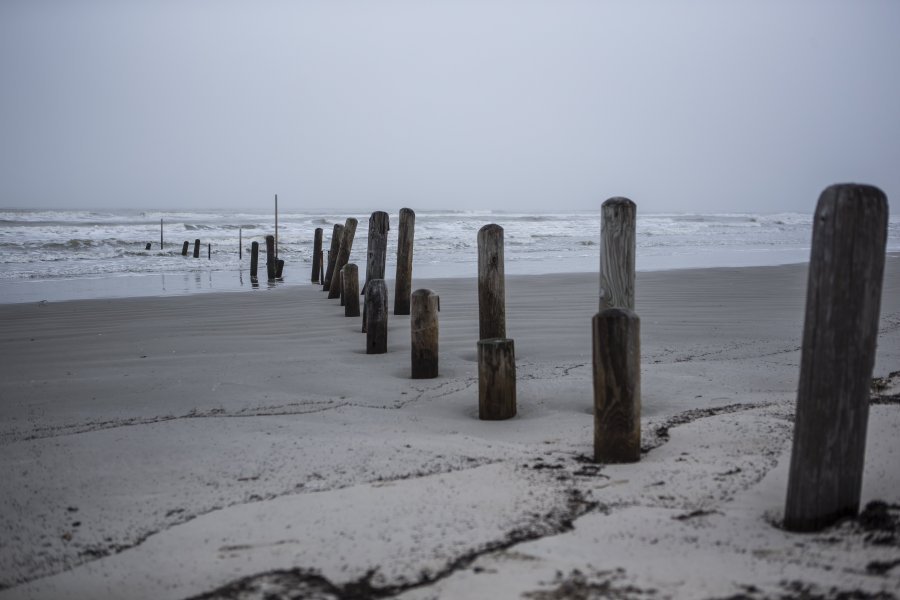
540	106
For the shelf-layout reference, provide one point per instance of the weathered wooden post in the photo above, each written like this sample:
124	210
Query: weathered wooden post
843	301
617	386
403	283
184	248
270	257
496	379
343	254
254	259
317	255
336	236
350	281
491	283
376	254
376	307
617	250
424	329
197	248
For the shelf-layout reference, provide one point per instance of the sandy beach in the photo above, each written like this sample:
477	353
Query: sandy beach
232	445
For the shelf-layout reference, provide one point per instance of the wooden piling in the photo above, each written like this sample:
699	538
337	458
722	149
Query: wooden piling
403	283
424	330
279	268
197	248
343	253
376	254
618	218
617	386
350	281
376	308
254	259
184	248
317	255
332	255
496	379
321	268
270	257
148	246
843	301
491	284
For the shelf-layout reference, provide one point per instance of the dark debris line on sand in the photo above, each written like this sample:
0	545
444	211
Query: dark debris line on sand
294	584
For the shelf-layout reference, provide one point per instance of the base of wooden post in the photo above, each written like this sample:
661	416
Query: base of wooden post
496	379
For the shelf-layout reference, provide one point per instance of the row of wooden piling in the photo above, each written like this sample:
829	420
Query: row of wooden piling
838	351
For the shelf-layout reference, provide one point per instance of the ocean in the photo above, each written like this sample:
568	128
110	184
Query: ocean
67	254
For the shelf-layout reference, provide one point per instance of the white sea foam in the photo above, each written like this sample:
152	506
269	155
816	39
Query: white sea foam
42	245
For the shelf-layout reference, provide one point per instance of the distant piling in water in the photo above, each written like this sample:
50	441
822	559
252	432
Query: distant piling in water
197	248
254	259
317	255
184	249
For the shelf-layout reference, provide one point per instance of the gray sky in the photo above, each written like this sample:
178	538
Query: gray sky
717	105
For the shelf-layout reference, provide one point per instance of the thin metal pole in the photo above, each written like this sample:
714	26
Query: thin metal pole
276	225
240	241
160	234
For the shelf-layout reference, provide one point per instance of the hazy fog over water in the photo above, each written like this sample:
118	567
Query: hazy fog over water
515	105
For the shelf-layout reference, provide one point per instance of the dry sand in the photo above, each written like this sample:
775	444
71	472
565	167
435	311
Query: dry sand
171	447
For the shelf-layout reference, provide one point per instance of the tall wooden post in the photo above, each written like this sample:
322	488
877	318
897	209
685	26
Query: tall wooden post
491	283
496	379
254	259
424	330
403	283
270	257
343	254
843	301
332	255
376	307
617	386
197	248
617	250
317	255
350	281
184	248
376	254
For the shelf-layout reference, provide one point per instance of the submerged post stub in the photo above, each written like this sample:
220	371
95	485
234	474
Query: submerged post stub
377	309
184	248
254	259
270	257
843	301
617	386
618	218
491	283
496	379
350	281
403	282
424	332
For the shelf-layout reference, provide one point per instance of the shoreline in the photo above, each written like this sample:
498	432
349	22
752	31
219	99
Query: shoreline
167	284
204	439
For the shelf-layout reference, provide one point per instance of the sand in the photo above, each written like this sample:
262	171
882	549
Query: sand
228	443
